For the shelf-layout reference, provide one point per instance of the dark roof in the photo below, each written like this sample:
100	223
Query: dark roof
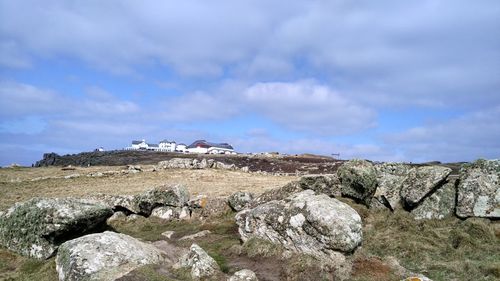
152	145
206	144
182	144
165	140
136	142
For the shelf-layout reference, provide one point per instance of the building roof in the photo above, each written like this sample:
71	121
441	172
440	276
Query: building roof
152	145
181	144
166	141
136	142
206	144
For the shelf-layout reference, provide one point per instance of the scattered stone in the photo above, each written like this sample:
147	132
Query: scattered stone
134	168
359	180
72	176
277	193
214	207
326	184
96	175
479	189
240	200
440	204
103	256
134	217
390	177
244	275
116	217
171	213
201	264
168	234
199	201
304	222
420	182
196	235
35	228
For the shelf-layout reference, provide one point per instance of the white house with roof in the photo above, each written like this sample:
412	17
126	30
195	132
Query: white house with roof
139	145
166	145
181	147
203	146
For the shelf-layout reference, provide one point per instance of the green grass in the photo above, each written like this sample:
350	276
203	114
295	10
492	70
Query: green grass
14	267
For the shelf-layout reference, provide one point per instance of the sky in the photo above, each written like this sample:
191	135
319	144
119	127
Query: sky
382	80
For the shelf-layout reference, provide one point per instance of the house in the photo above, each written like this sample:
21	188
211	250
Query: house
181	147
203	146
153	146
139	145
166	145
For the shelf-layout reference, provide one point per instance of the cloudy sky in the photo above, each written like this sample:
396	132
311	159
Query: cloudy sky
383	80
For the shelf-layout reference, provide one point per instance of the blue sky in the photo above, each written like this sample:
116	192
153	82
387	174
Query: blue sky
382	80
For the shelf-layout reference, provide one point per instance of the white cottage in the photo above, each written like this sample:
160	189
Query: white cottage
181	147
203	146
139	145
166	145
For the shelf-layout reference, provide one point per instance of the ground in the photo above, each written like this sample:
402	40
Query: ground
451	249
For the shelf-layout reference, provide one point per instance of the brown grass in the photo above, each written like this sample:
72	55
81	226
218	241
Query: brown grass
16	184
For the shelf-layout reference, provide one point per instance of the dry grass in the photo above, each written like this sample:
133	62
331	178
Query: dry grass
16	184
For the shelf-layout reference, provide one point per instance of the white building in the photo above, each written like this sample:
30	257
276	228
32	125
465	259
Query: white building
202	146
138	145
166	145
181	147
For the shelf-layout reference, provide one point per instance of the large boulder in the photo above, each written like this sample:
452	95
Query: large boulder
171	213
479	189
35	228
390	177
420	182
176	163
304	222
244	275
124	203
359	180
240	200
103	256
166	195
328	184
201	265
279	193
440	204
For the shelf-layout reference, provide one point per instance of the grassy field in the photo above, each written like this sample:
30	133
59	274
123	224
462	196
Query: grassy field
16	183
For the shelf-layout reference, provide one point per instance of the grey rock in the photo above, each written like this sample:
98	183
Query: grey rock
359	180
197	235
116	217
213	207
117	202
277	193
440	205
171	213
168	234
199	262
72	176
240	200
304	222
103	256
479	189
244	275
35	228
390	178
420	182
166	195
326	184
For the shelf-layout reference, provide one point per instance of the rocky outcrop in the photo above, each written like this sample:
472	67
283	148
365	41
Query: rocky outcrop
279	193
103	256
240	200
304	222
328	184
479	190
124	203
420	182
201	265
35	228
440	204
244	275
188	163
390	177
359	180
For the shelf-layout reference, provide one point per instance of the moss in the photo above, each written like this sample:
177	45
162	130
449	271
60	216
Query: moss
255	247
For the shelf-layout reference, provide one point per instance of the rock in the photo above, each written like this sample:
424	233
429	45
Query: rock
196	235
124	203
168	234
390	177
35	228
214	207
201	264
171	213
420	182
223	166
167	195
244	275
103	256
277	193
245	169
326	184
72	176
439	205
240	200
116	217
134	217
479	189
199	201
134	168
304	222
359	180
